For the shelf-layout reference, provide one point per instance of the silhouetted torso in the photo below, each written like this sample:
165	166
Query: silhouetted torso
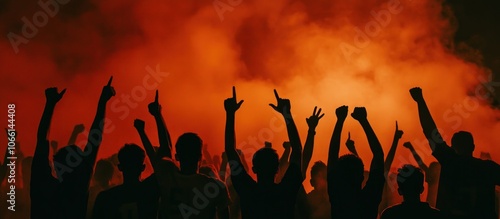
302	206
132	201
192	196
53	199
353	203
420	210
272	201
466	185
320	205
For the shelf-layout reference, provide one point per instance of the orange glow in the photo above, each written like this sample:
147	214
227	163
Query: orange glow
310	52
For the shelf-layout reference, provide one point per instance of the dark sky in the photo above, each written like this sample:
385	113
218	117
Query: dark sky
478	25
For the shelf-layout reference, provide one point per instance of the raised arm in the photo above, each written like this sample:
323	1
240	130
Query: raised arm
333	151
95	135
165	149
285	157
419	160
231	106
392	152
79	128
148	147
207	155
223	167
351	145
40	164
243	158
283	106
377	163
283	164
312	122
429	127
55	146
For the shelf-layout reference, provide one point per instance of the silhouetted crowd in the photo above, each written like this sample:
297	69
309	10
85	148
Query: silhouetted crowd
188	182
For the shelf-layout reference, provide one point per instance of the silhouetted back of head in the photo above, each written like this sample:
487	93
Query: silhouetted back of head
68	158
103	171
131	159
351	169
265	162
318	175
188	148
463	143
410	180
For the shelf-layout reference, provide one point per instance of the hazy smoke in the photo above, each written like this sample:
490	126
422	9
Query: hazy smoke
324	53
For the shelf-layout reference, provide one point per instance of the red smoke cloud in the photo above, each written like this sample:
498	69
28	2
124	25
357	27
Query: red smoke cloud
317	53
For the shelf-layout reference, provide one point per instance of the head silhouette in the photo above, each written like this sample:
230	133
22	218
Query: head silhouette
318	175
131	161
103	172
410	181
351	169
67	163
265	162
463	143
188	149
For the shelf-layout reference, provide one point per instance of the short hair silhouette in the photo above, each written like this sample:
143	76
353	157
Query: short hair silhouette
103	171
316	169
351	168
188	148
131	158
265	161
410	180
463	143
66	156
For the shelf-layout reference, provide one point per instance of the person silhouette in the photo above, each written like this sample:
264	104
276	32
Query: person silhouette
185	192
466	184
431	174
388	195
102	178
133	199
318	197
348	198
410	186
66	195
264	198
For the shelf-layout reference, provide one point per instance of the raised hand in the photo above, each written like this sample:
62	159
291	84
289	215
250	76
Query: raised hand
350	143
139	124
359	113
108	91
286	145
341	112
230	104
408	145
416	94
268	144
313	120
155	107
53	96
283	105
79	128
398	133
